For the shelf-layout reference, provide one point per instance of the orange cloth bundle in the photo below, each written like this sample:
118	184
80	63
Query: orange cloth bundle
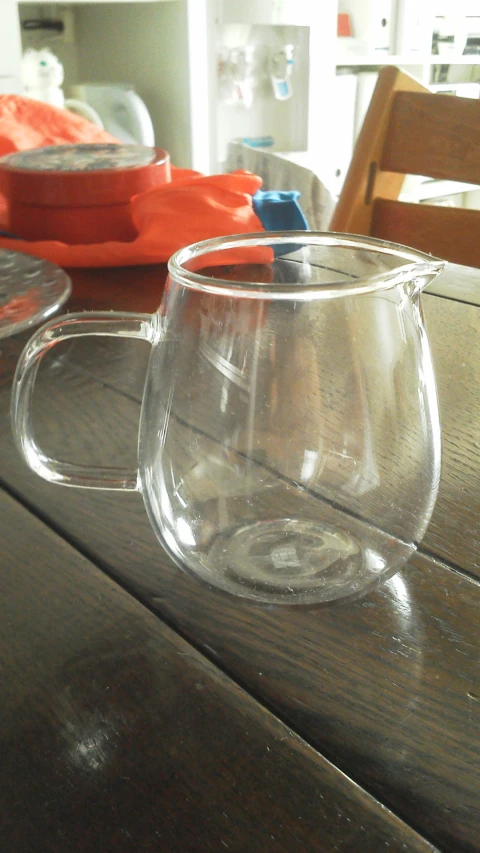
190	208
25	123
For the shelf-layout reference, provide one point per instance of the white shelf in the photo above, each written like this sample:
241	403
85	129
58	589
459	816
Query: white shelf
295	13
429	190
351	59
94	2
446	59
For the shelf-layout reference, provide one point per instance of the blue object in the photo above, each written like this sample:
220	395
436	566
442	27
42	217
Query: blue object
258	141
279	210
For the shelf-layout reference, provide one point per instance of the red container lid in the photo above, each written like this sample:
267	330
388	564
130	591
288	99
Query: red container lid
82	175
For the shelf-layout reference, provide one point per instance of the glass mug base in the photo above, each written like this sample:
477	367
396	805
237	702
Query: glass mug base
295	561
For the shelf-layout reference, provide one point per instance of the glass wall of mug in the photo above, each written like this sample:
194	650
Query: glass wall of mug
290	445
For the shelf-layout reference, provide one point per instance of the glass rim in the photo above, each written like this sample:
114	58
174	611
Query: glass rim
412	261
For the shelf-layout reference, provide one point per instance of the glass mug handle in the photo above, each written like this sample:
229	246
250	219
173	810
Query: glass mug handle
110	323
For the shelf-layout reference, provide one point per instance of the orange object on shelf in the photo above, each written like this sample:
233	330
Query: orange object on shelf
79	193
344	25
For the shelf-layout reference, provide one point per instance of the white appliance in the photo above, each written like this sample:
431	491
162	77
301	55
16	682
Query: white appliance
121	110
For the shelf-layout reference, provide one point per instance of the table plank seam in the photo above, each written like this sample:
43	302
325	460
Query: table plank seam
391	689
427	552
450	298
204	650
162	644
444	563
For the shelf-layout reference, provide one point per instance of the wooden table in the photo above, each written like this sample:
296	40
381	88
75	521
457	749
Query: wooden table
143	712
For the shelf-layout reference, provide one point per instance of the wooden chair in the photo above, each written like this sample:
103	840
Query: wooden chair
409	130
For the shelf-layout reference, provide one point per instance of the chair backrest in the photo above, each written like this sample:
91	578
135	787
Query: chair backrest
410	131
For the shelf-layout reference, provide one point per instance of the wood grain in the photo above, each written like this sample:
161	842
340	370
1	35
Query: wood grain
445	232
138	288
117	735
408	130
454	334
385	688
364	180
434	135
457	283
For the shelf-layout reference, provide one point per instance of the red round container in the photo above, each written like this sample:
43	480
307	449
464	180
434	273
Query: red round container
79	193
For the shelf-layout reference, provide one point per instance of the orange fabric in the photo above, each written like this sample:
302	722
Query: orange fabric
167	218
189	209
25	123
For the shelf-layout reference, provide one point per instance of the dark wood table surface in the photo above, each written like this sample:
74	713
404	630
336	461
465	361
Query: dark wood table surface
142	711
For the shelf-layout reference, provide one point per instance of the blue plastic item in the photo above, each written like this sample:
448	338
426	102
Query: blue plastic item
279	210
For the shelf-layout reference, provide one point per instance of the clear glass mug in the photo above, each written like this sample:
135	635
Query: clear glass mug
289	444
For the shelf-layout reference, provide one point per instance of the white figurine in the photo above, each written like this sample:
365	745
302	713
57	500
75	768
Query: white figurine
42	74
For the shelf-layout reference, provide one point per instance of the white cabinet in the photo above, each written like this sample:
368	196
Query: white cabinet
267	12
374	25
87	2
411	27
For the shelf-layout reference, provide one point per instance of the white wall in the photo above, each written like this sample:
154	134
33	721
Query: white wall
10	48
37	39
144	44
